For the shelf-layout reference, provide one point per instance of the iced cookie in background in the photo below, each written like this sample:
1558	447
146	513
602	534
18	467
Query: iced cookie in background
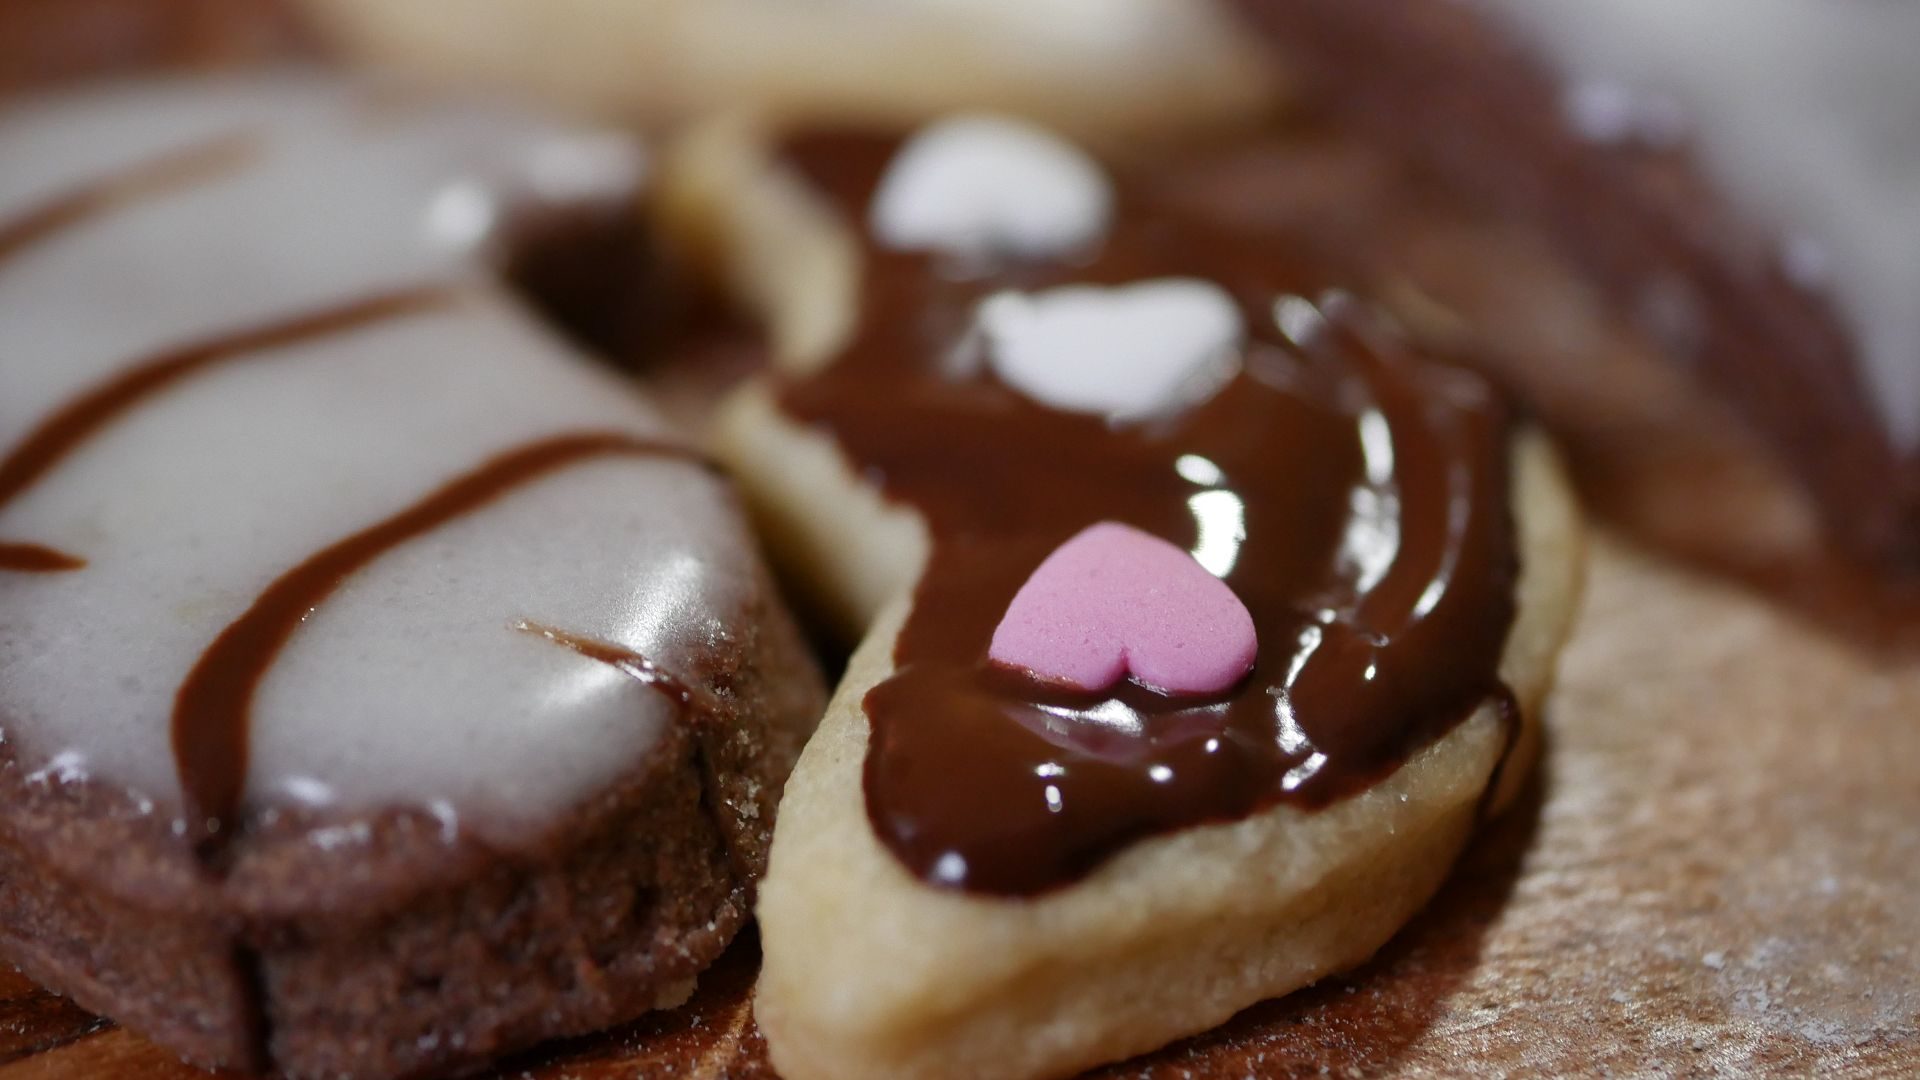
1034	832
1106	66
385	686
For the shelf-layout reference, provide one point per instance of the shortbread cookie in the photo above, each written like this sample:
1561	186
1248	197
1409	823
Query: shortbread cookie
1095	65
1074	463
384	686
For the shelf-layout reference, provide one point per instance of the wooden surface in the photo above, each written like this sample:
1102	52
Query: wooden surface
45	42
1717	873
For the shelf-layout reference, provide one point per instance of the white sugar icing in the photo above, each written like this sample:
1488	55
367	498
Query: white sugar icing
1125	351
1806	112
410	684
975	186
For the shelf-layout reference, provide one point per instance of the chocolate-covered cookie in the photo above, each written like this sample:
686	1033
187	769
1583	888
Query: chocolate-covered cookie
1199	608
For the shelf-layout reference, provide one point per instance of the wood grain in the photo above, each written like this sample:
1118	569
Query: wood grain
45	42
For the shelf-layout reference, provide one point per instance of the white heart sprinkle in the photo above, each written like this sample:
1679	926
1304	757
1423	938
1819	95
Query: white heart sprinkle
1125	352
983	185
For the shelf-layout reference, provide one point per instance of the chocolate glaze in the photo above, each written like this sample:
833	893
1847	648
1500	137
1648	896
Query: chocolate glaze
631	664
210	714
33	558
56	437
1367	484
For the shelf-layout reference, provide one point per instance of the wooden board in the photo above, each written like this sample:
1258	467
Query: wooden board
1717	872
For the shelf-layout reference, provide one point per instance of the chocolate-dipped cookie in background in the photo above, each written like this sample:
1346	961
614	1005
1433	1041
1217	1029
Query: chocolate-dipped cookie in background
1728	190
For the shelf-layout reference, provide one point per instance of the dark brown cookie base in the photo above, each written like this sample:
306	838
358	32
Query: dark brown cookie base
384	949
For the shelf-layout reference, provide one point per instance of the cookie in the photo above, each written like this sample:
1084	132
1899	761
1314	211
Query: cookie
1096	65
1202	613
385	687
1734	180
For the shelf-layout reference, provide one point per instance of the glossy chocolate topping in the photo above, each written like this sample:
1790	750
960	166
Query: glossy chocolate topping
1351	491
210	726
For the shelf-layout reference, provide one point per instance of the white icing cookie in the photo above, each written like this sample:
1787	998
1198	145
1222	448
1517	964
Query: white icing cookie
332	256
357	634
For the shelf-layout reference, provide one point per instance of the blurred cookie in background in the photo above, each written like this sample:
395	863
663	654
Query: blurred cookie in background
1090	66
1731	182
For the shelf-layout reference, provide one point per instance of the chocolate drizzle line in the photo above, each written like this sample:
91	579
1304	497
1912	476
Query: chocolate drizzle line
56	437
629	663
1351	490
211	710
33	558
171	171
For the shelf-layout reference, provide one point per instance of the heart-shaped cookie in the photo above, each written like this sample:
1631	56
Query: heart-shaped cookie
997	764
1115	602
977	186
1124	352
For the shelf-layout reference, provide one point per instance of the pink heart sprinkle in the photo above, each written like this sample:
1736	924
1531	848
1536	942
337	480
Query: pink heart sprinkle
1115	601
